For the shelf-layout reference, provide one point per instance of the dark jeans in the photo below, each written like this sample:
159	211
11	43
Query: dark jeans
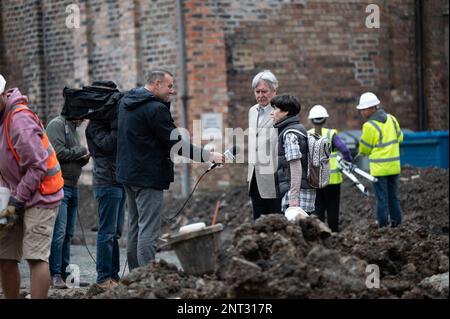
63	232
262	206
388	204
111	213
327	205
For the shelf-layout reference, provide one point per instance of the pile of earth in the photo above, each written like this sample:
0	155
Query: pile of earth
274	258
423	195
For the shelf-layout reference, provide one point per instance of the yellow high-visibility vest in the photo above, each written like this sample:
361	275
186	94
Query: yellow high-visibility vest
381	141
335	173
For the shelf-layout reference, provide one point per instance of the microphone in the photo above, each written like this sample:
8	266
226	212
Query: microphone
229	155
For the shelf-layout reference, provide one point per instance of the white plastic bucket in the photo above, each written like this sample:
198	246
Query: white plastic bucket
4	197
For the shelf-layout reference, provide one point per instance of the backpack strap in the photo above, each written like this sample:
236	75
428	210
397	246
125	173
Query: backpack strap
292	130
8	123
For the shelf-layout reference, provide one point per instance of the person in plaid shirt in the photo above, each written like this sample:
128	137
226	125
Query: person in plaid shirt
293	186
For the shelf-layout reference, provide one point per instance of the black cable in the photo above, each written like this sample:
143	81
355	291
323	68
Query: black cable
124	268
84	236
189	197
178	213
89	252
166	220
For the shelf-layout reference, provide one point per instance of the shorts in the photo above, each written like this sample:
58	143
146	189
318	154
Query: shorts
31	237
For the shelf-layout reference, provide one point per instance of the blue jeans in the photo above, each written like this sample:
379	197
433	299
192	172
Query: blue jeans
111	212
63	232
388	204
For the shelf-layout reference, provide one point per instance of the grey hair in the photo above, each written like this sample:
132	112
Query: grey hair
157	74
268	77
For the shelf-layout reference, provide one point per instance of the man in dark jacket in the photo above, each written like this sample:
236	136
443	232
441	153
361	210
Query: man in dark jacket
101	135
144	147
72	156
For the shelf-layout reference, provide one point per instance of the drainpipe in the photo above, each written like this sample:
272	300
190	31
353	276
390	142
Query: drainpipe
43	63
420	66
182	91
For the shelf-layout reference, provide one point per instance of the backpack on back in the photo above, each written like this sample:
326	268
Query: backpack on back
319	150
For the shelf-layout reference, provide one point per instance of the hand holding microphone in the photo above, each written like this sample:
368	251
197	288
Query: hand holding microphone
217	159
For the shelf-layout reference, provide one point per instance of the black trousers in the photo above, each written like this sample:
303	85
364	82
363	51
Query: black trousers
262	206
327	204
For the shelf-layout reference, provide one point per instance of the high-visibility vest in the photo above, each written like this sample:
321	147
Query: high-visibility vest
53	180
335	173
381	141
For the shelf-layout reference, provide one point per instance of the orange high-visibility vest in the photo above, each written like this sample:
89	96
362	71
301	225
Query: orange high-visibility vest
53	180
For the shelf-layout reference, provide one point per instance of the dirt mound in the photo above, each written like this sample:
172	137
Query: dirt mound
404	255
274	258
160	280
423	195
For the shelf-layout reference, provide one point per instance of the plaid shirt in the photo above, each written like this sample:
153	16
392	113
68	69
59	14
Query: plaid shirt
307	197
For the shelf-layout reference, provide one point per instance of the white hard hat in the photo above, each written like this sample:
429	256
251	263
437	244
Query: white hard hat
368	100
318	112
2	84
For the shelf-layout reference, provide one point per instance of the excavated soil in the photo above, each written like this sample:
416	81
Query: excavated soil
275	258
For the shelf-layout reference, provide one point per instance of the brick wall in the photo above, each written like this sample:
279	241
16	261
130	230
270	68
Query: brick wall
58	55
436	63
320	50
323	53
22	46
206	71
117	40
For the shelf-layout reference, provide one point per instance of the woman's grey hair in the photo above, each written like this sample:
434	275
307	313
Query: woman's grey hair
268	77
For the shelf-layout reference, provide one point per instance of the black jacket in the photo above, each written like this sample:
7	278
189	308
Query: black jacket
283	175
144	141
101	137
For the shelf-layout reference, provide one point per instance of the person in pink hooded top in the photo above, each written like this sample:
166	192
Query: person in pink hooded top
30	215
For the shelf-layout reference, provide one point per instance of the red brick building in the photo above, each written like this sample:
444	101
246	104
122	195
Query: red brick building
322	50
